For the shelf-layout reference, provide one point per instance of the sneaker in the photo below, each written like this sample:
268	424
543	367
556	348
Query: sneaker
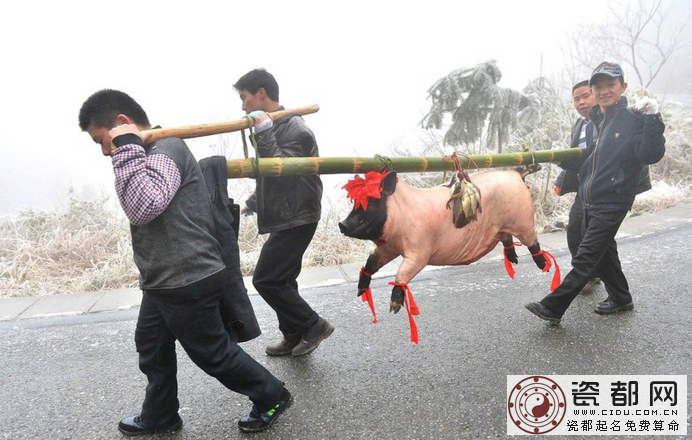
257	421
132	426
542	312
313	337
283	347
590	286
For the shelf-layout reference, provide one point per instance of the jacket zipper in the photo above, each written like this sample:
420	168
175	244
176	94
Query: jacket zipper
587	187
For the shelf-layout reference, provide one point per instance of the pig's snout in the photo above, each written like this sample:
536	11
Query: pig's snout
349	226
357	225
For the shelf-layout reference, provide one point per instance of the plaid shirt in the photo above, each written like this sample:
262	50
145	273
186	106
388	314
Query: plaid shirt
145	184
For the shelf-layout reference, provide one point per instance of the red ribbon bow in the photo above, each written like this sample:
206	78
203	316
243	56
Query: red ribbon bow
360	190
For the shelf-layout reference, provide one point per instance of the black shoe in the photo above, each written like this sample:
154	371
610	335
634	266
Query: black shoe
609	307
283	347
313	337
543	312
258	421
131	426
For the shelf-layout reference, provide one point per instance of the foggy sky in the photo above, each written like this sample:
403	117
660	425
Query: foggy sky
367	65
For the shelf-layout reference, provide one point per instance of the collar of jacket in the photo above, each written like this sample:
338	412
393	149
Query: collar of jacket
597	116
284	120
280	121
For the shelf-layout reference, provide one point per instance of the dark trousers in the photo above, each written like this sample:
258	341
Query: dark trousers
576	217
191	315
276	274
597	254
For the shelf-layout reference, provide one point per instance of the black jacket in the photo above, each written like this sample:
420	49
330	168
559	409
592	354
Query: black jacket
236	309
625	142
290	201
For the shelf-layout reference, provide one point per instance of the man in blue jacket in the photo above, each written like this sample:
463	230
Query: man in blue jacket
567	181
626	141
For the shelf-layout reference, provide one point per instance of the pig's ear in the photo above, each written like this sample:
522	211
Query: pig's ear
389	183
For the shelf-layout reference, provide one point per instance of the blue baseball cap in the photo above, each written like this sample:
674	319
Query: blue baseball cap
610	69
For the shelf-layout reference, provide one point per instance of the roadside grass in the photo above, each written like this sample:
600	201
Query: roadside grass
86	247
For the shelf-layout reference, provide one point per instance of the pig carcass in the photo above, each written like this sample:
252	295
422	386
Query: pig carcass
417	224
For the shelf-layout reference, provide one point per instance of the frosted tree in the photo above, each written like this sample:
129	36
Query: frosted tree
482	113
545	122
642	35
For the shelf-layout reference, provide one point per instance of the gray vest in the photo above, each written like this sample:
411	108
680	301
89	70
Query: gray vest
178	247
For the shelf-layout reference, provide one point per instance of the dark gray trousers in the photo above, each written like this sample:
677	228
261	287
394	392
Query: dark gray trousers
597	254
191	315
276	274
574	225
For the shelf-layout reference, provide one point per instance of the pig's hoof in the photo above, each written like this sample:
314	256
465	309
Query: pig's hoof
397	299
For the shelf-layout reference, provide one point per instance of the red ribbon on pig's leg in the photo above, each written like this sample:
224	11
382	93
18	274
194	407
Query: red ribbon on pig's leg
411	309
367	297
508	264
556	277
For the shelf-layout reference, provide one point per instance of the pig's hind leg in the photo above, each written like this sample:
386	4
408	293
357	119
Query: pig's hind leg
509	250
530	240
538	256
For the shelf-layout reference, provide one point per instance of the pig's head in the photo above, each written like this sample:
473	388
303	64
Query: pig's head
366	220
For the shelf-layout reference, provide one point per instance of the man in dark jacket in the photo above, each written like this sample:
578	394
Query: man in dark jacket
182	274
609	176
567	181
289	209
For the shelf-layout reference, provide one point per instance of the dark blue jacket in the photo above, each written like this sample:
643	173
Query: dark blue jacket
625	142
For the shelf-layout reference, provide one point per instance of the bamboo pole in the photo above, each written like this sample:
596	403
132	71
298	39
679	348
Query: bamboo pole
193	131
291	166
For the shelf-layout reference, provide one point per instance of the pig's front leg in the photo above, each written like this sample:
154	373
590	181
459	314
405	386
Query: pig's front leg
409	268
375	262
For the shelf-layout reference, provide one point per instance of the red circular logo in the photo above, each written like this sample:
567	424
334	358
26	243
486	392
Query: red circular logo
536	405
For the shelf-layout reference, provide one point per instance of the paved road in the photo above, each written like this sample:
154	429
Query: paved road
75	377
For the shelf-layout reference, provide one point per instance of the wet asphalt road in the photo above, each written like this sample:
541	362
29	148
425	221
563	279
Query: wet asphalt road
75	377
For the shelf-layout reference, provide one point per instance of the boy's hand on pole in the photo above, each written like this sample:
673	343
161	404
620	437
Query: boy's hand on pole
261	121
